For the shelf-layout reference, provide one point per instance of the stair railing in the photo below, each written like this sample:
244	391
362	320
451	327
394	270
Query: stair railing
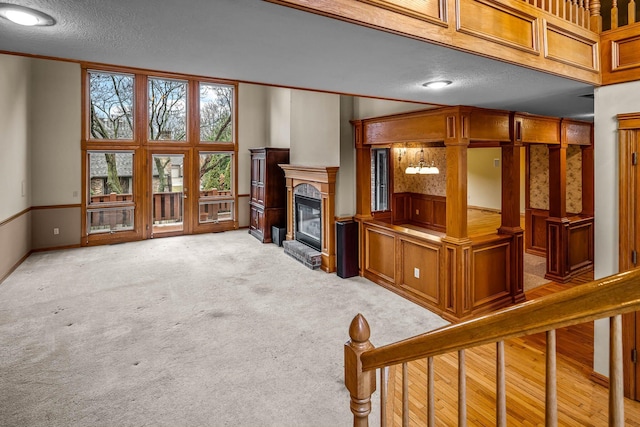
604	298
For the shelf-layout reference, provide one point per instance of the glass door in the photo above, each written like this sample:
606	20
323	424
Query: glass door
168	194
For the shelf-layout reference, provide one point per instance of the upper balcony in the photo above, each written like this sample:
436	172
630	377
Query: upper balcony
562	37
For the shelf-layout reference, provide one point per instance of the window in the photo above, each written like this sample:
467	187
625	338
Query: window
149	141
216	113
216	201
110	187
111	105
167	110
380	179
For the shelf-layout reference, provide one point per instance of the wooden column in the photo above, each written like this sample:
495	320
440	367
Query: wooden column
588	180
557	223
510	222
457	245
363	185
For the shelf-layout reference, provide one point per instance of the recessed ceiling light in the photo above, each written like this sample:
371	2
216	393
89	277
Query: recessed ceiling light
24	15
438	84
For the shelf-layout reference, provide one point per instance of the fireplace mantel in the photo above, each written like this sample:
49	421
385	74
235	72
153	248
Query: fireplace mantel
323	179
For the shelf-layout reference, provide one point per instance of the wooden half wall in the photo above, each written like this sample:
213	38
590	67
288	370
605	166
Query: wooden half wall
559	199
465	275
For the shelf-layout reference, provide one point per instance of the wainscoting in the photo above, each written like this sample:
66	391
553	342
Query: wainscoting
419	264
15	242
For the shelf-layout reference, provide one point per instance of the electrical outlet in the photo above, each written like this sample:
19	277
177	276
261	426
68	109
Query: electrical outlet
416	272
56	230
75	194
417	211
496	163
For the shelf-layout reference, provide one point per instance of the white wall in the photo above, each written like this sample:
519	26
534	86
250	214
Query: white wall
252	132
609	102
252	129
484	178
55	126
346	180
14	135
364	108
279	121
315	128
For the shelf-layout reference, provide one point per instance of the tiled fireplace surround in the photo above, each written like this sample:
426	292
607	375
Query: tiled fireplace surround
324	180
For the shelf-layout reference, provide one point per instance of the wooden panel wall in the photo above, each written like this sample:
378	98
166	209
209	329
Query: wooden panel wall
570	48
620	54
581	245
428	10
490	279
380	255
499	23
423	210
414	265
420	270
536	231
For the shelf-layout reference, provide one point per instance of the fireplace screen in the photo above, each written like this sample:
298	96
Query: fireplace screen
308	221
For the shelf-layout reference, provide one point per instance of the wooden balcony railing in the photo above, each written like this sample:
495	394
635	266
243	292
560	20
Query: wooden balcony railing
562	37
605	298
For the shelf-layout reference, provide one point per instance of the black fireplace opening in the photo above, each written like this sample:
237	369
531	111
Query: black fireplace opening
308	221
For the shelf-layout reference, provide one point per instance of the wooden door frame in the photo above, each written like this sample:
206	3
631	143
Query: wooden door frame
187	216
629	241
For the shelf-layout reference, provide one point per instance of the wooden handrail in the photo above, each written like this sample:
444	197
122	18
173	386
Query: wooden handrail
617	294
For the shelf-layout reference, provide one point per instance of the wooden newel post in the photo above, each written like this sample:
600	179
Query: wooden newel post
361	385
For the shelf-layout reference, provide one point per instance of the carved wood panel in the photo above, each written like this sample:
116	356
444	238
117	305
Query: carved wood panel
498	23
380	255
490	279
570	48
420	265
433	11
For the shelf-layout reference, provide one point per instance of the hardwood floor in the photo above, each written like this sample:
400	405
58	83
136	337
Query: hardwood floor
482	221
581	401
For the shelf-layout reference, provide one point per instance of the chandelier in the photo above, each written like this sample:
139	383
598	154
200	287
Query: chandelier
422	167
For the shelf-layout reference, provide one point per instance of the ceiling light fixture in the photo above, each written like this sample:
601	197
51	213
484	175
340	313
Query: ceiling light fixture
422	167
25	16
438	84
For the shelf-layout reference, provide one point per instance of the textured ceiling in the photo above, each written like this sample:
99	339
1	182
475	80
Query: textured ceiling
256	41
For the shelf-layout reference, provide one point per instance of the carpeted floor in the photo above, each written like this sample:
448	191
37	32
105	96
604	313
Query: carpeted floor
535	267
206	330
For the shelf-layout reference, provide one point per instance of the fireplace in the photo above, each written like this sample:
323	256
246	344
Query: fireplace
318	183
308	221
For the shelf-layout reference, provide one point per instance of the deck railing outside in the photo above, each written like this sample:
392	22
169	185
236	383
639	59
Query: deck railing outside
605	298
167	207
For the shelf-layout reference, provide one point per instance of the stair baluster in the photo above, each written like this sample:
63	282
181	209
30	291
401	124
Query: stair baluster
551	395
431	401
616	386
501	389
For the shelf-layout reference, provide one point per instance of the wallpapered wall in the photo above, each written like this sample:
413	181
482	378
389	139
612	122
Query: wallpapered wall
539	178
424	184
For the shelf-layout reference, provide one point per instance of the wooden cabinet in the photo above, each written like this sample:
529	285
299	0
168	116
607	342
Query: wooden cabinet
268	198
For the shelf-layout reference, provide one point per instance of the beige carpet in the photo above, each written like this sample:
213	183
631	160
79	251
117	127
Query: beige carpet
207	330
535	267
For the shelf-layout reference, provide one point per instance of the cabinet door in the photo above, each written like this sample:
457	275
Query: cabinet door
257	219
257	178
